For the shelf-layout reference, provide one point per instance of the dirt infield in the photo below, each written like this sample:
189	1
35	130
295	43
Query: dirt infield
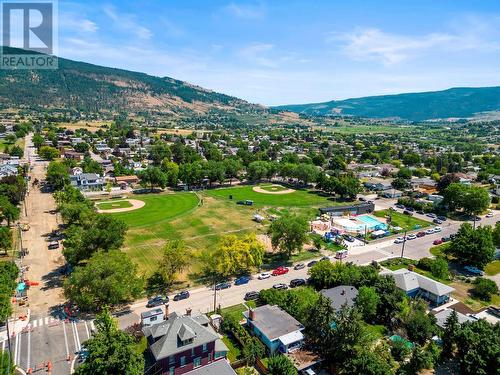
136	204
258	189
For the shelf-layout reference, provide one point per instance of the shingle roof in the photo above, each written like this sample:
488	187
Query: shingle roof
220	367
173	331
408	280
274	322
341	295
443	315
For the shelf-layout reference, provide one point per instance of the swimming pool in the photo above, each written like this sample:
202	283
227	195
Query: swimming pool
371	222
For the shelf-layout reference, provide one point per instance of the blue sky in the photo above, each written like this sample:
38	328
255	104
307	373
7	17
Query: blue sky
281	52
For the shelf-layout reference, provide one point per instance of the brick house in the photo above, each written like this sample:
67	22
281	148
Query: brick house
185	344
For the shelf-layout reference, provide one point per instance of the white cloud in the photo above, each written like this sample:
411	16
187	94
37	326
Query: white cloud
246	11
73	23
265	55
127	22
391	49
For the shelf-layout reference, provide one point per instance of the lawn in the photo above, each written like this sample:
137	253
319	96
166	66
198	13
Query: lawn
234	351
404	221
113	204
299	198
492	268
273	187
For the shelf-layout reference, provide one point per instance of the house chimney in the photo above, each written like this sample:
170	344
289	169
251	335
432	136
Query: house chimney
251	314
188	312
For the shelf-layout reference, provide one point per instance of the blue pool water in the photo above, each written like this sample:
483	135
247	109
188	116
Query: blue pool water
372	223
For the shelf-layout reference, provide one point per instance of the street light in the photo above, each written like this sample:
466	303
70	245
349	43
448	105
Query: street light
403	247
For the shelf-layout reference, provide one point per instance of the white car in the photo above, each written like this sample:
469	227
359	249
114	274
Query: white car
429	231
411	237
437	229
265	275
490	214
399	240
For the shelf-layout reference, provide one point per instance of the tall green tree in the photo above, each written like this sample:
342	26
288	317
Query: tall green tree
289	233
8	211
175	258
57	175
280	365
5	239
367	362
107	279
153	177
111	351
367	302
48	152
473	246
236	255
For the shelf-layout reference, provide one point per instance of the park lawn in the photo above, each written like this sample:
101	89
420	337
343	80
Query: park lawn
113	204
273	187
404	221
492	268
299	198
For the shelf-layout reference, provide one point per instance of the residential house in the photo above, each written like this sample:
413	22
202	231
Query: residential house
442	316
7	170
185	344
87	181
419	286
392	193
278	330
340	296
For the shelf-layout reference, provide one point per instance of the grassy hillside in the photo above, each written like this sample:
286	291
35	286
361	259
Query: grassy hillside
452	103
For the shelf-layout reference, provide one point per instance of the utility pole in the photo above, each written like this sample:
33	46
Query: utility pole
403	247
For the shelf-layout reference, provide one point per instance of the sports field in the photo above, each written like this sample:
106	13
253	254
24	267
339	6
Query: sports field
112	205
200	219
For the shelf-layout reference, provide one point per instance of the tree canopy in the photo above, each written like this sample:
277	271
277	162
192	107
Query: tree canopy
289	233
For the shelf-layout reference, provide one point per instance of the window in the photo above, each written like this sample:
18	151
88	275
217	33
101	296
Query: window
183	361
171	360
171	371
153	318
205	347
197	362
220	354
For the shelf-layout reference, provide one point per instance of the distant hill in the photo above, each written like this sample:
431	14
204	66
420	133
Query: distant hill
462	102
87	87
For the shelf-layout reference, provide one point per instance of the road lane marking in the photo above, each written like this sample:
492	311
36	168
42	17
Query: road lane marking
28	355
92	326
86	329
77	336
47	320
74	336
66	339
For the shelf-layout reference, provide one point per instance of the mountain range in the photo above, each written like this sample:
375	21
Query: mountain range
91	88
460	102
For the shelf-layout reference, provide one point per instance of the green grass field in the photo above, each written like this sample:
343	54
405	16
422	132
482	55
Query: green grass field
112	205
492	268
404	221
272	187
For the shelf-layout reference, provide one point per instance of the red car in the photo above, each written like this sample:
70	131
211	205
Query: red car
280	271
437	242
420	234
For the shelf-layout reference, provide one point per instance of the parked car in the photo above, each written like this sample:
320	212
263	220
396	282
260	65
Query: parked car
299	266
438	242
53	245
489	214
279	271
399	240
182	295
442	218
411	209
429	231
264	275
251	296
431	215
411	237
348	237
325	258
437	221
297	282
437	229
420	234
474	270
280	286
224	285
445	239
241	203
157	301
400	206
406	212
242	280
420	212
312	263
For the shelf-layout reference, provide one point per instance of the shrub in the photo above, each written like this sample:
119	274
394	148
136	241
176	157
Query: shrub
484	288
425	264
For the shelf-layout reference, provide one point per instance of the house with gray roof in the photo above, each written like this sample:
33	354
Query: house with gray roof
87	181
442	316
185	344
340	296
420	286
278	330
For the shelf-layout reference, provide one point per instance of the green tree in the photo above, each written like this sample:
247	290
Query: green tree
233	168
476	201
280	365
484	288
160	151
48	153
152	177
367	362
8	211
38	140
236	255
289	233
367	301
8	276
439	268
449	336
107	279
5	239
103	232
257	170
7	366
111	351
496	234
171	170
175	259
419	325
252	350
57	175
473	246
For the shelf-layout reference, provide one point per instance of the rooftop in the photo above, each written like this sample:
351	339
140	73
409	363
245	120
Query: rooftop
274	322
221	367
408	280
341	295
